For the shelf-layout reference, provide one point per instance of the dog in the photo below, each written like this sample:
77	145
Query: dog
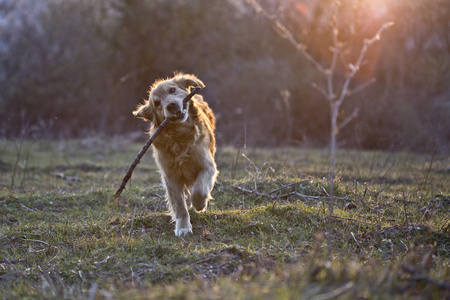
184	150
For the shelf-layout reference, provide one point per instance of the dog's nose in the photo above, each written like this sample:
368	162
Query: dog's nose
173	107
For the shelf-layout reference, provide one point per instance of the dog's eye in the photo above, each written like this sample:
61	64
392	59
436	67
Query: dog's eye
172	90
157	103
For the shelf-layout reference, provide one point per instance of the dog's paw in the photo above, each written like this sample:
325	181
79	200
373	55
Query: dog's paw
200	201
183	227
182	232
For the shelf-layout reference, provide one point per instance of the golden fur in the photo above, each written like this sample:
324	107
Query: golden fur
184	150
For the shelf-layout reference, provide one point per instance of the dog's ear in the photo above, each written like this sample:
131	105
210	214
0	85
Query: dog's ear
186	81
144	111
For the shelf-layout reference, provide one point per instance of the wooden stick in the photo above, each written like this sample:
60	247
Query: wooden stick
147	145
188	97
138	158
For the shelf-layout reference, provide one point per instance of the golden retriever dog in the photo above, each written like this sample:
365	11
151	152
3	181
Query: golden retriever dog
184	150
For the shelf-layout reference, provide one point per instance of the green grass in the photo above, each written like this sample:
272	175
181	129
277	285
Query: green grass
267	235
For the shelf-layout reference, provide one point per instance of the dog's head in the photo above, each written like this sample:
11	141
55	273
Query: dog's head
166	99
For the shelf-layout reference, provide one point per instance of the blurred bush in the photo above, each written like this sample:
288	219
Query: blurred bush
72	67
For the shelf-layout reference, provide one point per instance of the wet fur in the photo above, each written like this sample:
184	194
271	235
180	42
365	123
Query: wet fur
184	151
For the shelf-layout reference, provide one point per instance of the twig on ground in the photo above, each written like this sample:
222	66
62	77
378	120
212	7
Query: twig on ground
19	200
334	293
156	195
26	207
131	226
37	241
354	238
139	274
254	192
274	197
288	186
352	220
413	276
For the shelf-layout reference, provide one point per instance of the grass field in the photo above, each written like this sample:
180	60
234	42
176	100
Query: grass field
267	235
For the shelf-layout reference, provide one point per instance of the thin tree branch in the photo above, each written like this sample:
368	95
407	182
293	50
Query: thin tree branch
321	90
348	119
361	87
286	34
354	68
343	92
336	50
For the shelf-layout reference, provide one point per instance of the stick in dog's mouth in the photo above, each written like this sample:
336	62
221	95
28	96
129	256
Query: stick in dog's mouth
179	114
188	97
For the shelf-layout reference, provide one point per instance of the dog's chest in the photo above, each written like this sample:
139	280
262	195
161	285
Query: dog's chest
178	142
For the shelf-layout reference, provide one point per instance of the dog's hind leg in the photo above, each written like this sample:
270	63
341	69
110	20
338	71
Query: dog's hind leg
203	185
176	196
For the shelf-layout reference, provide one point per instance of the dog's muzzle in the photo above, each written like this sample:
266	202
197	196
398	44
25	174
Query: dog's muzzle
176	111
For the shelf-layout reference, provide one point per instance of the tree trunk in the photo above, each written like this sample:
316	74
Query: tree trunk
333	133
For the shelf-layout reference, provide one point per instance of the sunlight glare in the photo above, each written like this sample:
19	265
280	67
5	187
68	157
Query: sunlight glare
377	8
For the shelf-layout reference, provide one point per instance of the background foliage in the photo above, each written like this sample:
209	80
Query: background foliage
69	68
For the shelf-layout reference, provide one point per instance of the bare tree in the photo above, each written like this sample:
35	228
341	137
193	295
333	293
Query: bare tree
334	96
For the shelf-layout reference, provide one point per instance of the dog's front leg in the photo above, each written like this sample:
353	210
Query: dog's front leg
177	201
203	185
